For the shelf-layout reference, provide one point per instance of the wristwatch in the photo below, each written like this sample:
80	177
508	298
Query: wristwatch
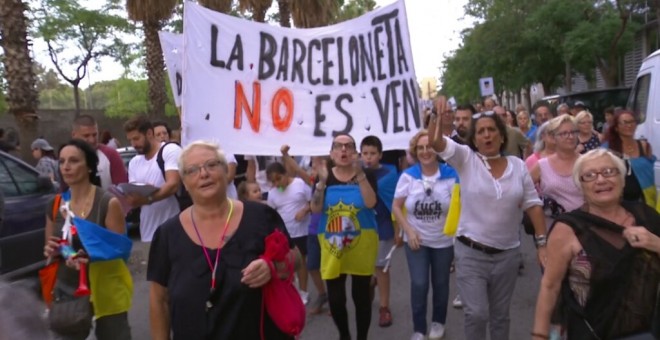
150	199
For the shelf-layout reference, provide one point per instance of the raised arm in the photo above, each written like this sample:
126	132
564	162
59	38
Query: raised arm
436	139
292	167
319	194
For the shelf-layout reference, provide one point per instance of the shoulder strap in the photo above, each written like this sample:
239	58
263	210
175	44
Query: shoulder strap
56	206
102	210
160	160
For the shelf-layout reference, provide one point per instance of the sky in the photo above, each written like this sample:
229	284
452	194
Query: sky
434	25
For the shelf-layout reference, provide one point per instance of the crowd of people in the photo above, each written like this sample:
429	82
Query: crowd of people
588	198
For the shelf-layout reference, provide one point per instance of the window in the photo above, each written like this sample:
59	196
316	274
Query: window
24	180
640	97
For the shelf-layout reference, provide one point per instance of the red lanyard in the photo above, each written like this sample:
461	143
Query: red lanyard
213	267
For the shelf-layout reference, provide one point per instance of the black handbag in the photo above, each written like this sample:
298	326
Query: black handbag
71	315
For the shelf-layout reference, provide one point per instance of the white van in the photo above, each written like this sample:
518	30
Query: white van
644	100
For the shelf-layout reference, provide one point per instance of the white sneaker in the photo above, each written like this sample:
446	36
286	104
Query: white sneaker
457	303
417	336
304	296
437	331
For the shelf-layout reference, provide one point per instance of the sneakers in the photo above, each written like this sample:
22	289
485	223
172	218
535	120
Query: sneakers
317	305
385	318
304	296
417	336
437	331
457	303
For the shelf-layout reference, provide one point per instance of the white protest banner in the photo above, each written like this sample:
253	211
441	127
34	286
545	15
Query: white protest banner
253	87
172	46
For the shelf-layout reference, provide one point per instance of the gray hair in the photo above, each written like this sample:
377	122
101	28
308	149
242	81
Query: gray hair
590	156
21	315
539	144
562	106
200	144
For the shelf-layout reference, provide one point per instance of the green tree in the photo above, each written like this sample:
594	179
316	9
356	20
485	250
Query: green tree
95	34
22	98
353	9
152	14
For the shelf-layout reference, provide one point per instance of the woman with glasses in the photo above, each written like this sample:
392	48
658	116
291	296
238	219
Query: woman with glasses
487	253
204	268
603	268
346	195
425	190
638	156
588	139
553	174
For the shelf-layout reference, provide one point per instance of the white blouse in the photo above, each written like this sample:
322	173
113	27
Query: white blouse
491	209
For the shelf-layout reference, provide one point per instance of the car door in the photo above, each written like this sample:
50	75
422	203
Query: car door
22	232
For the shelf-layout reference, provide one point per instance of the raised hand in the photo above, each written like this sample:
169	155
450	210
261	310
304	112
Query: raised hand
436	140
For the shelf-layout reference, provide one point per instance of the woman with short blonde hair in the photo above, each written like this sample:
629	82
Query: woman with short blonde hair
588	139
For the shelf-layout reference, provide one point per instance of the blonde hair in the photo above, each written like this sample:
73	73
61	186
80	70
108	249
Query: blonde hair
412	148
200	144
556	122
590	156
524	112
584	114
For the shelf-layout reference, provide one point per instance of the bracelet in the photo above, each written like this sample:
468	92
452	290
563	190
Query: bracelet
320	186
540	240
360	179
539	335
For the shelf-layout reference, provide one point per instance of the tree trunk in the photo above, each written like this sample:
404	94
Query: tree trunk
285	12
609	71
568	78
76	99
22	96
155	70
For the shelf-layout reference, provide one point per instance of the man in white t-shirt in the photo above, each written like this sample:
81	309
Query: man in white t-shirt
111	168
143	168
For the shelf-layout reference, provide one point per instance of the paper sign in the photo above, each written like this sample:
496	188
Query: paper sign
252	87
487	86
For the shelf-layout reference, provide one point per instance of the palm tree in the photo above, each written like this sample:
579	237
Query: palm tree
222	6
152	13
285	12
257	7
314	13
22	95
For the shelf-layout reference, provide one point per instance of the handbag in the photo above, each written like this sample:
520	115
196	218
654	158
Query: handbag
70	315
280	297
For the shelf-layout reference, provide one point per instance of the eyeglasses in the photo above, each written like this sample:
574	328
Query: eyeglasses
211	166
593	175
478	115
339	146
627	122
567	134
423	148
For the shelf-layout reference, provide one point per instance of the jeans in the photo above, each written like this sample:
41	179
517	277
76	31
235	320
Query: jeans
421	263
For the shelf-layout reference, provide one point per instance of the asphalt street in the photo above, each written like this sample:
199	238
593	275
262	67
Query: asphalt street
321	327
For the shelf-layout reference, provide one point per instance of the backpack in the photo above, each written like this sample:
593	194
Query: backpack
182	195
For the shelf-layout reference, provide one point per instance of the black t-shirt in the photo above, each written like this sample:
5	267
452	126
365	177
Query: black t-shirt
179	264
371	178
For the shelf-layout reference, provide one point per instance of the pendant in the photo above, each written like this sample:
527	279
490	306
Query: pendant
209	305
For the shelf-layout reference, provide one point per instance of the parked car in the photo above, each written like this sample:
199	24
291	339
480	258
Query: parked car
133	216
644	101
596	101
25	195
127	153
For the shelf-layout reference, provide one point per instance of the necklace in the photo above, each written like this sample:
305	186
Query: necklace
212	266
87	203
485	159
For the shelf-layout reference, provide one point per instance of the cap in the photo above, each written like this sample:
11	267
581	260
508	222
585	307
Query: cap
579	103
41	144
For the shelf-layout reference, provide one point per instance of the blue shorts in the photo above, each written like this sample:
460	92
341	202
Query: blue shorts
313	252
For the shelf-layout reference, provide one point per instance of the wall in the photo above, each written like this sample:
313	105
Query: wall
55	126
